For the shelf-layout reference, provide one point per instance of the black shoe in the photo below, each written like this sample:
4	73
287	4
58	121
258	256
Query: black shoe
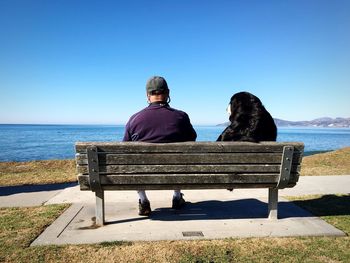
178	203
144	208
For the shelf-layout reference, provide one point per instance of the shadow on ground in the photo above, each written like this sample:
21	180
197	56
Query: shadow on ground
327	205
10	190
214	210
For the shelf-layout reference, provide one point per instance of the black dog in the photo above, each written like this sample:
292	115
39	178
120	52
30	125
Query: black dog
250	121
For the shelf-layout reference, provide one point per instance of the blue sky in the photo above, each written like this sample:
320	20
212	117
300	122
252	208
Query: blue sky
87	62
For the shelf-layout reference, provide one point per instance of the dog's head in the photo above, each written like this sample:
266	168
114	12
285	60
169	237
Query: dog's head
243	103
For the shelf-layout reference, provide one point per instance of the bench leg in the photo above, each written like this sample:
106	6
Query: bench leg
100	208
273	203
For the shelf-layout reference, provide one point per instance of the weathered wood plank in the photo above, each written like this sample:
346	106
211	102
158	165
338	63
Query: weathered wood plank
182	187
188	147
225	168
84	186
177	179
188	178
185	158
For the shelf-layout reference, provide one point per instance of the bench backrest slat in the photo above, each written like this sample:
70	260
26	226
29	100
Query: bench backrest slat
189	147
207	168
185	158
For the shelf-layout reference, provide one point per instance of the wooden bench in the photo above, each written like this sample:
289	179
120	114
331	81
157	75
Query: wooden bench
188	165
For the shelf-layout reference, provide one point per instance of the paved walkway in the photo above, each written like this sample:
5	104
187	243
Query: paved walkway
208	213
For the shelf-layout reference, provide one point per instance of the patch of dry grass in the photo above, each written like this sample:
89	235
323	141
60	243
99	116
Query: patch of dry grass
227	250
37	172
330	163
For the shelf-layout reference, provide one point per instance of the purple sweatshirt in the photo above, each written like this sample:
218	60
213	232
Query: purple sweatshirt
159	123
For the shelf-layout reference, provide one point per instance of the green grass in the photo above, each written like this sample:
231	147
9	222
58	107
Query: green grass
20	226
37	172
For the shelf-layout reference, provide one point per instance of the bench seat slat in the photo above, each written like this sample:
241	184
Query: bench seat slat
188	147
188	186
180	179
225	168
84	186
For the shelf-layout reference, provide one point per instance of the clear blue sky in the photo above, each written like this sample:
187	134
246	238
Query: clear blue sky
69	61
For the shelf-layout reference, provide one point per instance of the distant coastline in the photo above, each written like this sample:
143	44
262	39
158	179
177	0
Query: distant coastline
324	122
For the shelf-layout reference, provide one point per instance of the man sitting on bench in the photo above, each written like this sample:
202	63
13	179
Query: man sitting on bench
159	123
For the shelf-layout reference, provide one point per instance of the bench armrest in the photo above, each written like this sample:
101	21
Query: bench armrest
286	165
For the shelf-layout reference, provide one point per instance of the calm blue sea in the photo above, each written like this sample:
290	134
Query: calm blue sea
44	142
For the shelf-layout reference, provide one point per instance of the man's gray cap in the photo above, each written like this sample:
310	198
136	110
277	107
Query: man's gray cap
156	83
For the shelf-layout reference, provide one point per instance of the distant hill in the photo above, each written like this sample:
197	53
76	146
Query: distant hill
320	122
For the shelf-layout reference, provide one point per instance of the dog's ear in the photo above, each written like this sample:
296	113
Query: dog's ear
228	109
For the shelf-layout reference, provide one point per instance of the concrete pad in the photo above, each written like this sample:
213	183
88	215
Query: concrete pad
200	219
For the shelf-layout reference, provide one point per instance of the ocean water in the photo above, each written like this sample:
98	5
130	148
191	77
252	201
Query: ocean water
44	142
